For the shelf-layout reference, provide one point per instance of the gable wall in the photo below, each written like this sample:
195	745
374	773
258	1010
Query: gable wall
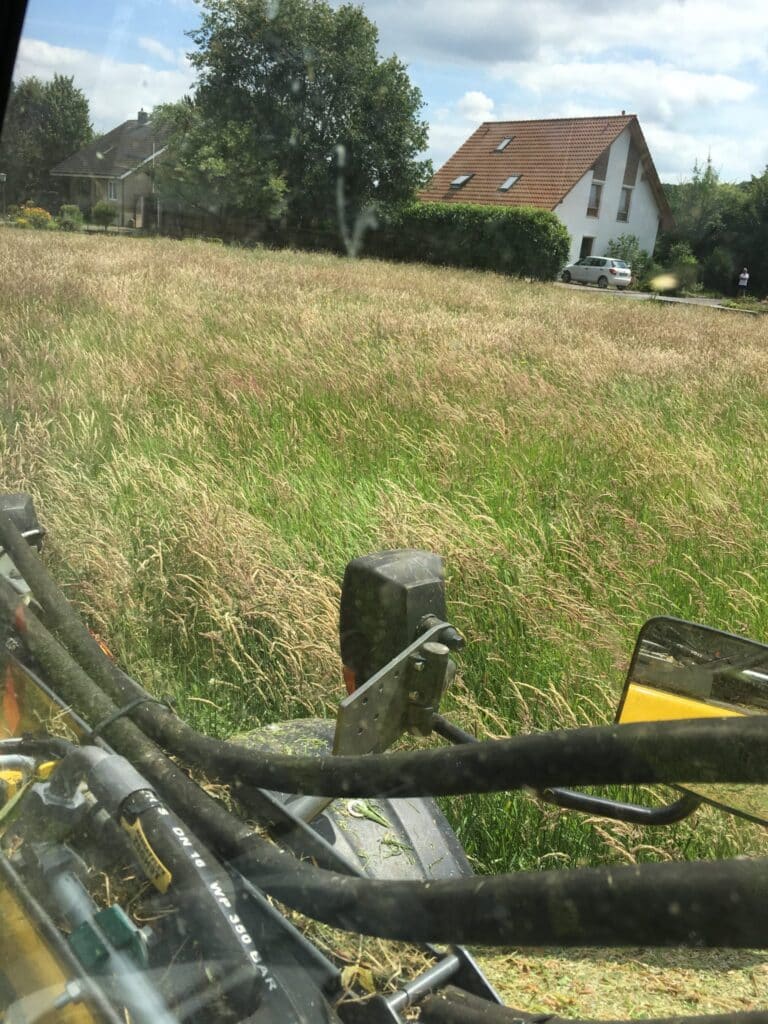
643	212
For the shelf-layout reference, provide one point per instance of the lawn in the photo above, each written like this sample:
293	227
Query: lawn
211	434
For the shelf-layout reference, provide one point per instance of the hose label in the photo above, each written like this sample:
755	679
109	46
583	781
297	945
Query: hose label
242	933
154	869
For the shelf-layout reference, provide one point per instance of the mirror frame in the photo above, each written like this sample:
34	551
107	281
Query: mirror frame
628	679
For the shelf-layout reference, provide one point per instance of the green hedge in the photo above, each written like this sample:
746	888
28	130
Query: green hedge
520	240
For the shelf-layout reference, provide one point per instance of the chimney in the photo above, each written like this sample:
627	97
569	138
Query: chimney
143	116
623	113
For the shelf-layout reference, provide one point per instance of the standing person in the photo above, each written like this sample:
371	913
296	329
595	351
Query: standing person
743	282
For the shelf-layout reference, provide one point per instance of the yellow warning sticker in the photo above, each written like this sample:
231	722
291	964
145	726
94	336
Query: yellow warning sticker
154	869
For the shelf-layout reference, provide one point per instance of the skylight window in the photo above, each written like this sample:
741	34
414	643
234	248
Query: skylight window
504	143
461	180
507	184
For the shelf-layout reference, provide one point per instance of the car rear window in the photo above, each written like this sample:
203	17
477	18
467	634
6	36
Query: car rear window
619	263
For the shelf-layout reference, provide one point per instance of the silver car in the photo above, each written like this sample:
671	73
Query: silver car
600	270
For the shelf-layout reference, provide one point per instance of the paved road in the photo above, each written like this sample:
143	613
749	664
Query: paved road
645	296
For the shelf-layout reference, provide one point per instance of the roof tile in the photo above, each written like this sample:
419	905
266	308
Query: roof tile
115	153
550	157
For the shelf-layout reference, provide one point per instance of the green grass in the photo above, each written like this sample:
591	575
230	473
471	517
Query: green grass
211	434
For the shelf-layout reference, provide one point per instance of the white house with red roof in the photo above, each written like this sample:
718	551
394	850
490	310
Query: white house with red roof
595	173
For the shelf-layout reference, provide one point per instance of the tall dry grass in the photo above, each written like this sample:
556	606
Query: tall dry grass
210	434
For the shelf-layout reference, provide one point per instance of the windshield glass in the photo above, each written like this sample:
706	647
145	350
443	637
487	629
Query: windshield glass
323	334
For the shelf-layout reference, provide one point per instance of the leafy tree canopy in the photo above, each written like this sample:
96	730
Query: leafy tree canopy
295	90
44	124
213	168
704	209
725	227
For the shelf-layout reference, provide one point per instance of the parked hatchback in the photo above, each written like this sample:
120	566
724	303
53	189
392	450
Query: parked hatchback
599	270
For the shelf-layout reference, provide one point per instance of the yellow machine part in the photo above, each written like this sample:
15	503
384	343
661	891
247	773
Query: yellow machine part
646	704
32	971
24	707
10	781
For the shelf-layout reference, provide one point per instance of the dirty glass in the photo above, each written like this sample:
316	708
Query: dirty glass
349	505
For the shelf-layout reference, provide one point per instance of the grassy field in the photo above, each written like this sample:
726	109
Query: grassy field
211	434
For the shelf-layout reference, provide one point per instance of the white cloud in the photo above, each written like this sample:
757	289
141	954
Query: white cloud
698	69
475	106
703	35
651	90
480	32
116	90
694	34
675	152
157	49
453	124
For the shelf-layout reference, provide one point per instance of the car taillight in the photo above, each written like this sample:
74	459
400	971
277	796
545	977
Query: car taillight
612	270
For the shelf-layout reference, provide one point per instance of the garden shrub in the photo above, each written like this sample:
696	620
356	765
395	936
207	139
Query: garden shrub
103	213
627	247
520	240
35	217
70	218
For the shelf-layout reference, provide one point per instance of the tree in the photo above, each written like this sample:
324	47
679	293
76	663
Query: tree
753	233
296	90
45	123
697	206
707	213
213	168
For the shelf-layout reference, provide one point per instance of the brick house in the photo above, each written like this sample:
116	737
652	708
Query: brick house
595	173
118	168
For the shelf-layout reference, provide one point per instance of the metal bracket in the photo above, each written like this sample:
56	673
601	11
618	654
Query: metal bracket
401	697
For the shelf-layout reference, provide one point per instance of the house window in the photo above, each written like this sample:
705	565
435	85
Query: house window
600	166
506	185
593	206
633	162
461	180
111	189
504	143
624	201
586	247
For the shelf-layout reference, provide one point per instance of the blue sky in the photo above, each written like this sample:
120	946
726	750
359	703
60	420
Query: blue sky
695	71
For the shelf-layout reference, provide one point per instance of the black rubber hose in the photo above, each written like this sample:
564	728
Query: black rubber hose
175	861
701	904
725	750
204	890
585	803
728	750
41	746
455	1006
718	903
221	942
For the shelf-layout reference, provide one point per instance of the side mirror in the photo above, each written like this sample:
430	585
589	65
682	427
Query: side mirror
681	670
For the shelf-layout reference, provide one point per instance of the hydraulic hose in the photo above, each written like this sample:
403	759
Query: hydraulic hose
455	1006
709	750
175	861
703	904
162	842
39	747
